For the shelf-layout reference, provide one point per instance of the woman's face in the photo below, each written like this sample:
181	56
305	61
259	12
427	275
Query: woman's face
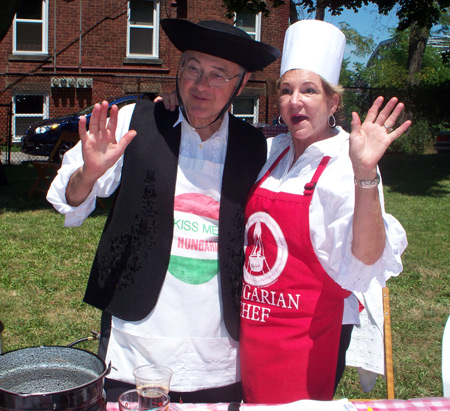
305	107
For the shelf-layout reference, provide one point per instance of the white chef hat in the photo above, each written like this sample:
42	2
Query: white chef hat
316	46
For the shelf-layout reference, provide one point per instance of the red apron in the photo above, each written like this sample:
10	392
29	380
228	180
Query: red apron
291	310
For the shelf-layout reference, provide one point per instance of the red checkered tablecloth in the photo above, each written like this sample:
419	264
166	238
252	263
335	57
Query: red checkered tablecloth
415	404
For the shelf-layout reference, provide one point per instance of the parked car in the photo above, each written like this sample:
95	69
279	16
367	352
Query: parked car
442	143
42	136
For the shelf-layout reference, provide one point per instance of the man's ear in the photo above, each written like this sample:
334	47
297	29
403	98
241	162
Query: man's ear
246	78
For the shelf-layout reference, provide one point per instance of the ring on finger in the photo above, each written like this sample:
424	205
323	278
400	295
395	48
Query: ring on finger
388	129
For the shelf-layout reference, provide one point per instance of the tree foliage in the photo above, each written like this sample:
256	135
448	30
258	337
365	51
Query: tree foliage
425	101
418	16
8	9
426	13
335	7
363	45
252	6
423	13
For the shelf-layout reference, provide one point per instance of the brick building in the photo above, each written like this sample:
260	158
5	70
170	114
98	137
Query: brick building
60	56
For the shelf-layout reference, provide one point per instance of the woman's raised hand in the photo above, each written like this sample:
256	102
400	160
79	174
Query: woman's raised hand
170	100
370	140
99	146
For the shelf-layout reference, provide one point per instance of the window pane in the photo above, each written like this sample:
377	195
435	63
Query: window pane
29	37
141	12
141	41
243	106
29	104
30	9
22	123
246	21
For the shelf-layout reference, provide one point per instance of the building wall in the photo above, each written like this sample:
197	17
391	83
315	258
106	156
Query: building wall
101	55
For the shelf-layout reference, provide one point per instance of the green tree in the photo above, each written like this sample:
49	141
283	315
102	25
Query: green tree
8	10
362	45
252	6
417	16
413	72
425	99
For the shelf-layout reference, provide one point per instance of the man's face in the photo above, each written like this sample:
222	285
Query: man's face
203	101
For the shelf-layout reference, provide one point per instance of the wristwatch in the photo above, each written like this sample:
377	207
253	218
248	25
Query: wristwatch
368	183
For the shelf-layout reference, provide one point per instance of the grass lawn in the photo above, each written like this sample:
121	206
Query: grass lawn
44	269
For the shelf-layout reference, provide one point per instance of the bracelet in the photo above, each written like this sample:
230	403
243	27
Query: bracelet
368	183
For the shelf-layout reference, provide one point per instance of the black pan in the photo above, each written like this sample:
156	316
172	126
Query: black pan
52	378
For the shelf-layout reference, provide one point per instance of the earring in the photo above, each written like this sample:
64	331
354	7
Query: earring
280	120
332	121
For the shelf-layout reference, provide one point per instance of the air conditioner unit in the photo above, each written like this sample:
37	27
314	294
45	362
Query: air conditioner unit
84	82
55	82
63	82
71	82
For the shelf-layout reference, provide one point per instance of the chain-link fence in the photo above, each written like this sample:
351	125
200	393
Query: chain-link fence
28	99
5	132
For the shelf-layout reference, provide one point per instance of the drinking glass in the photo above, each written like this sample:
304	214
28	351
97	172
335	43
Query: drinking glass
150	377
151	399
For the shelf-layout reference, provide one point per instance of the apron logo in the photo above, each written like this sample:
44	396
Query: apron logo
258	271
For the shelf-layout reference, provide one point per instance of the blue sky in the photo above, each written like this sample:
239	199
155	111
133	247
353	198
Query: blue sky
367	22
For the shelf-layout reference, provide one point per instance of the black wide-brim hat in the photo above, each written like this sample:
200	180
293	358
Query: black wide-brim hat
221	40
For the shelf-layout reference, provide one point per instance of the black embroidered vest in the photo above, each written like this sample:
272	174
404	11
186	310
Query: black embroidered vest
134	251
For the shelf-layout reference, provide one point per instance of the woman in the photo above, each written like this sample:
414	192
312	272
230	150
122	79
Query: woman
316	229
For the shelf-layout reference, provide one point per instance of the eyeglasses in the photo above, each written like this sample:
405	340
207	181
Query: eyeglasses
213	78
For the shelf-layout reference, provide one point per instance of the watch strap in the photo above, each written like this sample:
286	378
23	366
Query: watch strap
368	183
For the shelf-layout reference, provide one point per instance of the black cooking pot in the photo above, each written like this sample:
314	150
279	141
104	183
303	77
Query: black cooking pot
52	378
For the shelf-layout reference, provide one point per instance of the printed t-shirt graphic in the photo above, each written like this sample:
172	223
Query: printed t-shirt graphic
194	248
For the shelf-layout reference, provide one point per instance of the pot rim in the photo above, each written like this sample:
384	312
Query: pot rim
106	371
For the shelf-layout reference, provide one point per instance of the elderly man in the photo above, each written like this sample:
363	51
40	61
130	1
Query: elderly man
167	273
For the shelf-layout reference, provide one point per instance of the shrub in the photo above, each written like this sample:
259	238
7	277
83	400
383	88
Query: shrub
414	141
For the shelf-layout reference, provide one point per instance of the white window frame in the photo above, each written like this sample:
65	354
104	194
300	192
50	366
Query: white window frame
44	114
257	32
155	28
255	108
43	22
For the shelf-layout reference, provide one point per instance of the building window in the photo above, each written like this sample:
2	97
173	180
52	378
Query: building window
143	29
27	109
246	108
30	27
250	23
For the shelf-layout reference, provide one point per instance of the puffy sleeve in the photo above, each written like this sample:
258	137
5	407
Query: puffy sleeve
104	187
331	214
354	275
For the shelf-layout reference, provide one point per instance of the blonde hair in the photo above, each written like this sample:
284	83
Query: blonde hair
331	91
